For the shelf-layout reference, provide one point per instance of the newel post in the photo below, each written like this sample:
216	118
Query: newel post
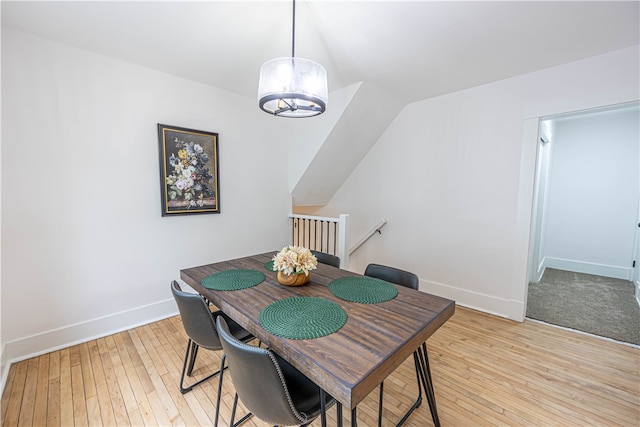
343	243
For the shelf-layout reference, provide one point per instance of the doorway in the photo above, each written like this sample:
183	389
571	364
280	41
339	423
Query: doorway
587	196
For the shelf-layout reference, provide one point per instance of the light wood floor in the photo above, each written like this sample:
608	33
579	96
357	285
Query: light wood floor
486	370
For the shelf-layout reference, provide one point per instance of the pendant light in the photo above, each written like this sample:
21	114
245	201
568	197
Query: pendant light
292	87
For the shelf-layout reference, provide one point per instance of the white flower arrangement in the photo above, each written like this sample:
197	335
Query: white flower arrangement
294	260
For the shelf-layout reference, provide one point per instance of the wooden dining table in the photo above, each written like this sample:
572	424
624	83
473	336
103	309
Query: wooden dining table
351	362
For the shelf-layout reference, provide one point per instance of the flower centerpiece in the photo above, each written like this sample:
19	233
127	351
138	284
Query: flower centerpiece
294	265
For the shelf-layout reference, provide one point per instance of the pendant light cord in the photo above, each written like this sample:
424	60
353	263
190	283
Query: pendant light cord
293	31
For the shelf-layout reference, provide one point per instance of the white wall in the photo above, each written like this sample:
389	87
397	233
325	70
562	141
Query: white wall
454	175
85	250
592	203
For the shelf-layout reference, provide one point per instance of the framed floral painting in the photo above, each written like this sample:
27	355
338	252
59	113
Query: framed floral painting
188	171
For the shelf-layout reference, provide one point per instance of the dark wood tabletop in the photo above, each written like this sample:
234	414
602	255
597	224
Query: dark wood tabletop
351	362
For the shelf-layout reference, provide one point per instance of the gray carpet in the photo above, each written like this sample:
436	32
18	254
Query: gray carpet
594	304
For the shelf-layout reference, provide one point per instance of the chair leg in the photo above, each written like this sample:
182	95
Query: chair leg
233	410
232	423
192	359
233	414
215	422
188	357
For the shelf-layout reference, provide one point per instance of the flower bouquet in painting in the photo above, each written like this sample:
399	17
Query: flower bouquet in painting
188	185
294	265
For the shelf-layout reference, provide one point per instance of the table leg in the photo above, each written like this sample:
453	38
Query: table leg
339	414
323	410
418	366
428	383
380	401
354	418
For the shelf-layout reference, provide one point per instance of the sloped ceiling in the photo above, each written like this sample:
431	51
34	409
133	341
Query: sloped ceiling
407	51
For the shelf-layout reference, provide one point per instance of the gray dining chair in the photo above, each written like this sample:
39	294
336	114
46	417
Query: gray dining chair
199	324
420	355
271	388
327	259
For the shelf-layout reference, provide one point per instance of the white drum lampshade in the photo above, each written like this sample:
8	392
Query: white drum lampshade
293	87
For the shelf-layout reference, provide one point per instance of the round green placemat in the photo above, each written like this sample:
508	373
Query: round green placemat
365	290
233	280
269	265
301	318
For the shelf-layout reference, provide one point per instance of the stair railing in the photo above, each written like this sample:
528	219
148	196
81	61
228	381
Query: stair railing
323	234
367	236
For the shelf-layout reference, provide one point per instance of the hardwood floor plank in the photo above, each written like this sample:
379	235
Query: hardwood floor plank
53	399
7	392
130	402
29	393
134	354
135	418
102	391
486	371
93	411
102	346
74	356
115	395
40	404
158	409
12	415
66	390
89	381
79	398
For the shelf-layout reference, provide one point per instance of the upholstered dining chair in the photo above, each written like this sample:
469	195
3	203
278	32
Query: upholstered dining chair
269	386
199	324
326	258
420	356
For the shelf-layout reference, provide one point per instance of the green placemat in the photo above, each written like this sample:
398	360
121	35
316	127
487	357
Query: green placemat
233	280
365	290
301	318
269	265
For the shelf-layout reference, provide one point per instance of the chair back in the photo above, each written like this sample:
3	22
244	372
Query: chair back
326	258
196	318
393	275
259	380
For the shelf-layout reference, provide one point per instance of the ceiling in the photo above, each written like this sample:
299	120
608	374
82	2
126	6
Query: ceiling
413	49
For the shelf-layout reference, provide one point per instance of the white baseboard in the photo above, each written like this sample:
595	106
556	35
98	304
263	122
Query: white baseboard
56	339
501	307
588	268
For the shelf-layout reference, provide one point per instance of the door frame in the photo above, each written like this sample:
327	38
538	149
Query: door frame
531	141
